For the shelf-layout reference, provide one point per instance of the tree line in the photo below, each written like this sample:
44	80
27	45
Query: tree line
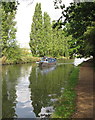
44	39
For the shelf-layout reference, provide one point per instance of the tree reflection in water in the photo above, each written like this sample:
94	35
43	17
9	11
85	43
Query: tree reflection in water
26	89
47	84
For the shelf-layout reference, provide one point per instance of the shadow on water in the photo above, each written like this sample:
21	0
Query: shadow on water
27	90
45	70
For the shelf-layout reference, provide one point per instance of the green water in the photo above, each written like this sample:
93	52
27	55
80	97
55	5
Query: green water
26	88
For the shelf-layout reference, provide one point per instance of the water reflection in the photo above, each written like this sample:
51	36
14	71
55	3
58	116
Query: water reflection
45	70
16	92
26	89
9	76
46	112
46	87
24	108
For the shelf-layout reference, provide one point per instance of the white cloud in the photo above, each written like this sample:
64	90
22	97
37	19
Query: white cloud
24	17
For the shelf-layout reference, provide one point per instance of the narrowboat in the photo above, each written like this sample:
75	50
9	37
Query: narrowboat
46	62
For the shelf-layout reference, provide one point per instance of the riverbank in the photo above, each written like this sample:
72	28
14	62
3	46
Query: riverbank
24	59
66	104
77	99
84	91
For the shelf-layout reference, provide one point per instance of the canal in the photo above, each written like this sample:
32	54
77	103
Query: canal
29	91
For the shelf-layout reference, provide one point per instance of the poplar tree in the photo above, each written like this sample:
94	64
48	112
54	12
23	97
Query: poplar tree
47	34
44	39
60	42
36	31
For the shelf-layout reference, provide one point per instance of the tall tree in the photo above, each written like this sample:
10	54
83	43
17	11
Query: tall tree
44	39
47	34
8	30
60	41
36	30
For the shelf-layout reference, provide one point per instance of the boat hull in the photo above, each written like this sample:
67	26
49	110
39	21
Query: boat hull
42	64
46	62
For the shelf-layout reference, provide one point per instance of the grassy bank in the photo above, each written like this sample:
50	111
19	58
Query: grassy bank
22	60
23	57
66	105
19	56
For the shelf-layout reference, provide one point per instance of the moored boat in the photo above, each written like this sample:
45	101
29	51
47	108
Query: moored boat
46	62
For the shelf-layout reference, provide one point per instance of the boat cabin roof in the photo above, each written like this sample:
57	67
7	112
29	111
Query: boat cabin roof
48	59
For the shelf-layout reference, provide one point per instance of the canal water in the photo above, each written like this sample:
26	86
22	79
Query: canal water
29	91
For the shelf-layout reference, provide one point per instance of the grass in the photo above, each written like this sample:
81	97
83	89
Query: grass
23	59
66	105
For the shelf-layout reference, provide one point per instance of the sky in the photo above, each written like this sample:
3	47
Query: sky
25	13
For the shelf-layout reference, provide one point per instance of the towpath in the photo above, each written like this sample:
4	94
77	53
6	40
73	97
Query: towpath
85	105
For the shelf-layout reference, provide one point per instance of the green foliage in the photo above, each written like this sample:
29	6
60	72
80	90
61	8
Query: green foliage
79	18
9	6
7	31
8	43
44	39
66	105
18	56
60	42
14	54
89	37
36	31
47	34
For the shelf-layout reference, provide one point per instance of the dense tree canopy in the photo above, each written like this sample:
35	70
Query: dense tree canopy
9	6
79	18
80	23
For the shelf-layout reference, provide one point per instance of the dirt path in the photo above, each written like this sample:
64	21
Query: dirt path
85	92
